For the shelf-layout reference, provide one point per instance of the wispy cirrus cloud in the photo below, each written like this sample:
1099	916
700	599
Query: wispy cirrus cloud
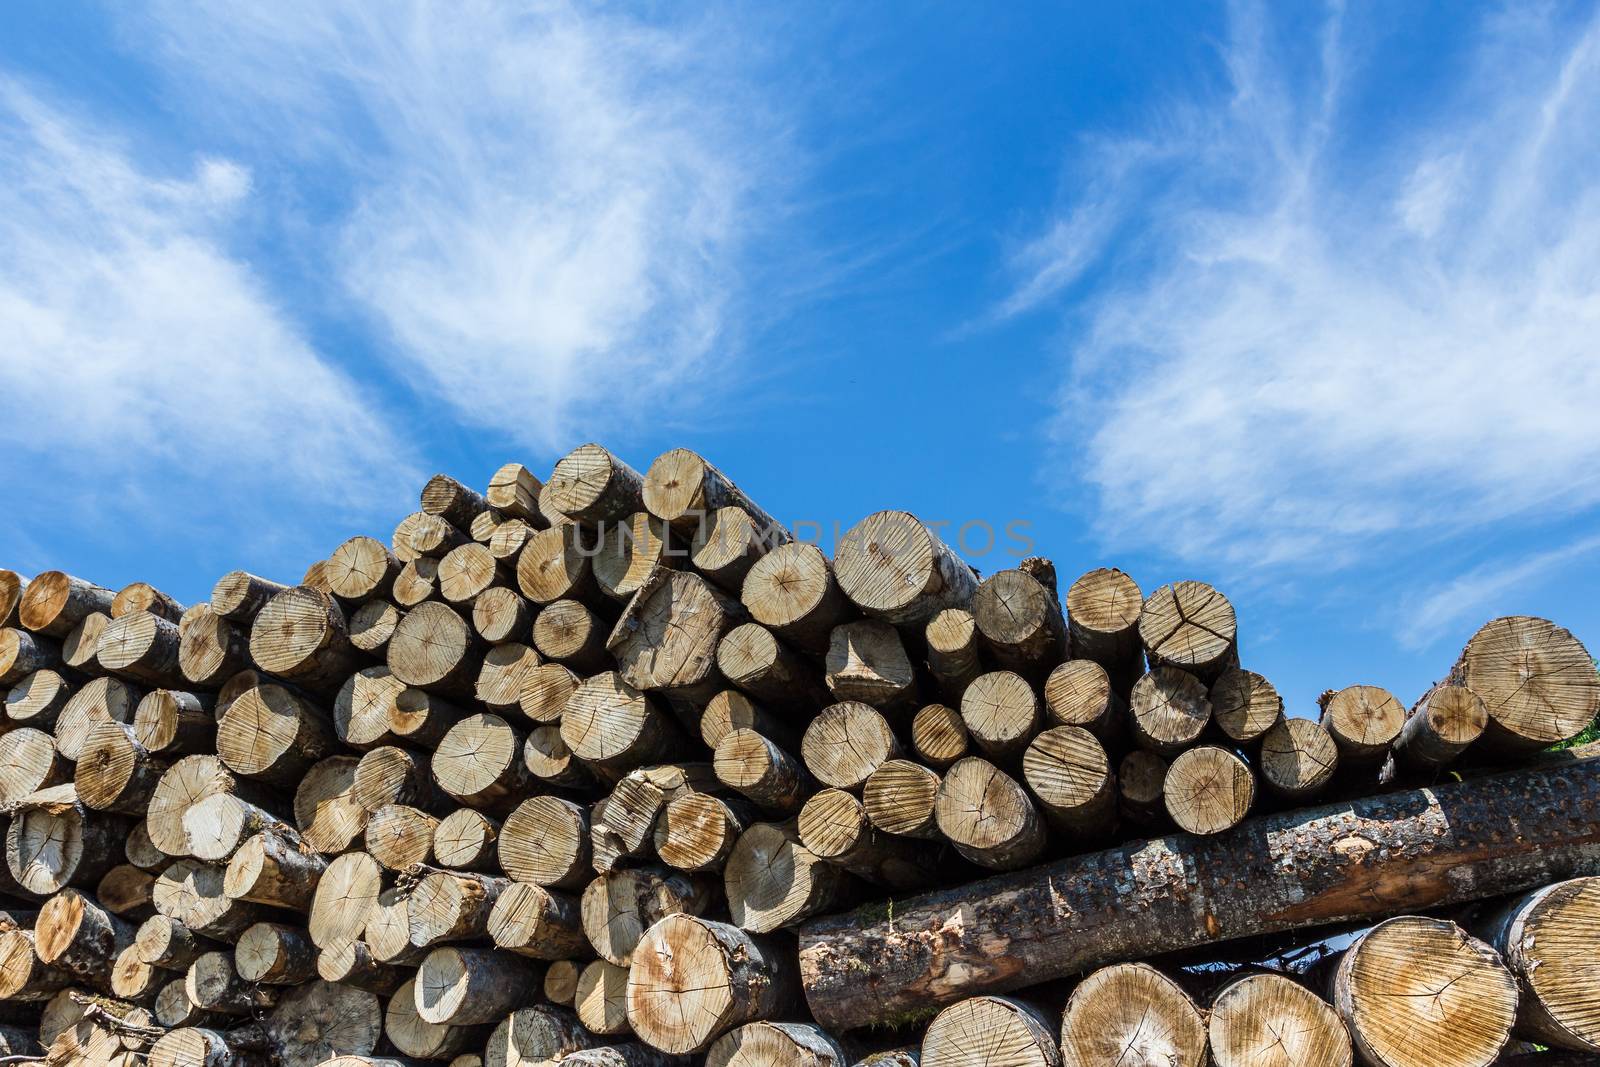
1308	338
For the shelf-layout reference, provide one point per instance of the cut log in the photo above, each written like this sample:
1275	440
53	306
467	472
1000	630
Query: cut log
501	614
834	826
54	602
1267	1020
731	710
755	767
102	700
629	552
362	569
601	999
548	759
388	930
214	985
1169	710
613	727
697	831
173	722
894	568
196	1046
484	525
415	1036
240	596
1364	722
1341	863
619	906
1103	609
899	798
867	662
479	763
952	640
626	1054
590	485
164	942
417	583
24	978
1001	714
542	1034
399	836
29	762
545	841
1191	627
319	1020
1441	727
345	898
1021	623
682	488
325	812
729	543
1537	681
22	653
1419	992
792	591
938	736
500	678
1298	759
351	963
174	1011
464	840
372	625
80	649
76	934
694	979
276	868
433	537
361	711
988	816
532	921
421	719
772	879
143	646
467	571
765	1044
757	662
54	841
38	698
114	772
1208	789
1068	770
391	775
557	564
302	635
990	1030
1131	1013
1547	939
452	501
666	638
464	986
452	906
845	743
561	981
211	648
192	893
433	648
514	492
133	981
623	823
570	633
275	954
1244	705
127	891
272	735
12	586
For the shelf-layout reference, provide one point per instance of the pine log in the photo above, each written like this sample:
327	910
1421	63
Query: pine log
352	963
433	648
388	931
728	543
697	831
239	596
894	568
23	653
453	906
987	816
1364	721
514	492
362	710
301	635
399	836
938	735
451	501
1131	1013
625	1054
772	879
570	633
1021	623
630	552
867	662
845	743
468	570
694	979
12	586
214	985
1079	693
417	583
29	762
1418	992
1537	681
192	893
362	569
899	798
484	525
54	602
54	841
211	648
952	640
434	536
38	698
95	702
24	977
275	954
545	841
623	823
272	735
415	1036
1244	705
325	812
613	727
1268	1020
174	1011
501	614
754	659
1441	727
390	775
479	763
164	942
319	1020
464	840
590	485
143	646
542	1034
1208	789
619	906
549	760
682	488
756	768
80	649
601	998
1298	759
466	986
418	718
1069	772
127	891
834	826
1169	709
1103	608
196	1046
990	1030
792	591
557	564
1191	627
1001	713
274	867
76	934
499	684
173	722
766	1044
1342	863
133	981
560	981
533	921
666	639
345	897
372	625
732	710
114	771
1547	939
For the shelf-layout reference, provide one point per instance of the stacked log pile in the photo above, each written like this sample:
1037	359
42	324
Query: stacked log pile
609	770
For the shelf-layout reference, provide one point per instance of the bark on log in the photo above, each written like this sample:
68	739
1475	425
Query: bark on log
274	867
23	653
1169	709
501	614
899	798
1267	1020
754	659
54	841
793	592
415	1036
418	718
694	979
542	1034
1131	1013
1547	939
601	998
756	768
1441	727
1244	705
545	841
894	568
1537	681
952	640
590	485
115	772
731	710
990	1029
845	743
568	632
275	954
452	501
479	763
54	602
987	816
697	831
24	978
465	986
1373	856
214	985
729	543
173	722
834	826
239	595
1069	772
320	1020
127	891
1298	759
76	934
453	906
533	921
164	942
1192	627
1208	789
1103	608
302	635
619	906
1418	992
352	963
464	840
1021	623
867	662
667	636
938	736
684	489
1001	713
1364	721
1079	693
143	646
772	879
765	1044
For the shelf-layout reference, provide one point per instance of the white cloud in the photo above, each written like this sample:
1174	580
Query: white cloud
139	354
1310	336
546	209
1484	589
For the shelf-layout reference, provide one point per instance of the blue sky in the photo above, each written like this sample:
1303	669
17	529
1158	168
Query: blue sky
1300	300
